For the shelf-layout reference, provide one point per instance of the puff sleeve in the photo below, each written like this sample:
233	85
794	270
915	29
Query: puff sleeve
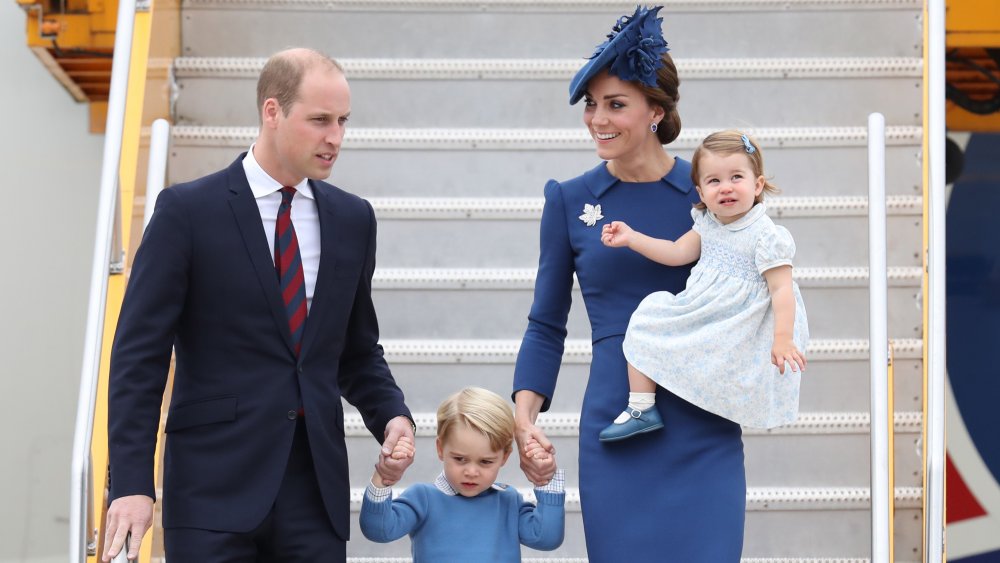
699	216
774	248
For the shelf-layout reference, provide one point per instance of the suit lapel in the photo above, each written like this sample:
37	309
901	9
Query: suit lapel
247	216
328	225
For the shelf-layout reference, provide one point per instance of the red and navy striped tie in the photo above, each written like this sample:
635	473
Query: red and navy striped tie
288	263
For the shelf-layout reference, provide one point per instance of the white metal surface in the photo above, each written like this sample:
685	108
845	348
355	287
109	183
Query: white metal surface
156	175
578	351
550	5
546	139
564	69
80	480
568	424
935	444
879	338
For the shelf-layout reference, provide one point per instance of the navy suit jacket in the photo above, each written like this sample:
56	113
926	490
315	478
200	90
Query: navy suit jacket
203	283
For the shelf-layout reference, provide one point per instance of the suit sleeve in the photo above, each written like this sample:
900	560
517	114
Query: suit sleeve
365	379
541	351
140	355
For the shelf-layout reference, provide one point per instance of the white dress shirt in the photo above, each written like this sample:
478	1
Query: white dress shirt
305	217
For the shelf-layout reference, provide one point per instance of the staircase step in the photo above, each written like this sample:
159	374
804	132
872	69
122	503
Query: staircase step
567	424
578	351
428	371
465	162
584	560
384	91
830	449
531	208
561	29
421	302
780	523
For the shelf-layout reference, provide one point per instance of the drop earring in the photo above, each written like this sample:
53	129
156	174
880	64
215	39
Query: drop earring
653	127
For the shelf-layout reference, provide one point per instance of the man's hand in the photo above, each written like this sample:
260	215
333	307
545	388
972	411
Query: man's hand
536	454
397	450
127	514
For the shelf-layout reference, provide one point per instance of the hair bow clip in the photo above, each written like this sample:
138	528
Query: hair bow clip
748	145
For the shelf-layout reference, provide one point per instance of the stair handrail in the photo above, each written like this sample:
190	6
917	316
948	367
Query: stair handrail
156	173
82	533
934	394
878	344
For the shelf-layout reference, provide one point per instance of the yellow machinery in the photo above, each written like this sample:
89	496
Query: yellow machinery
75	39
973	72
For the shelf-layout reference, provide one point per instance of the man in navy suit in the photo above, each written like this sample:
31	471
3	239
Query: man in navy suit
255	465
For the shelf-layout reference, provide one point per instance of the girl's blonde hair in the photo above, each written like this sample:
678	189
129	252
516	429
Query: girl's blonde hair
725	143
482	410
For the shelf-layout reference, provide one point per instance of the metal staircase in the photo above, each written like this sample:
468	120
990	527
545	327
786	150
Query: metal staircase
459	117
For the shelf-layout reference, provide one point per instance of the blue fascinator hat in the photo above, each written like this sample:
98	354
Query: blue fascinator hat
632	52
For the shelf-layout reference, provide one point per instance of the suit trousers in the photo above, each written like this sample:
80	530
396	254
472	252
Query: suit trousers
297	528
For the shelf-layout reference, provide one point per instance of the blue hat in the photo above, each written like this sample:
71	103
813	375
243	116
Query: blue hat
633	52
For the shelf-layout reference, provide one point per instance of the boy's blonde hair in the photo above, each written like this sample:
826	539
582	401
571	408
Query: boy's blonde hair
725	143
482	410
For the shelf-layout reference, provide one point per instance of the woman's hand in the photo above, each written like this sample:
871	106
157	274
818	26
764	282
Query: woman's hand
616	234
785	351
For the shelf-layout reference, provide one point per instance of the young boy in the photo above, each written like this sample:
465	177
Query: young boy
464	515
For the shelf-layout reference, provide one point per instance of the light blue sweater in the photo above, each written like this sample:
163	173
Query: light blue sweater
450	528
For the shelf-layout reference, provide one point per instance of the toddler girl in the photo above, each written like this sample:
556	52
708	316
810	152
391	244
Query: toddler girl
723	342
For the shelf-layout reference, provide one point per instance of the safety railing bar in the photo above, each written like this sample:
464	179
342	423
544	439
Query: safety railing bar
934	469
80	480
156	174
879	340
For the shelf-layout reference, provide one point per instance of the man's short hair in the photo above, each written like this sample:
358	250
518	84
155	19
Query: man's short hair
282	76
482	410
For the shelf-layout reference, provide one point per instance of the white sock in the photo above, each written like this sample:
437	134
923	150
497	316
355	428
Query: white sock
639	402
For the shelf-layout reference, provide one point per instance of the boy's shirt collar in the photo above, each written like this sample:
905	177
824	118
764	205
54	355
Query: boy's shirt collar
445	487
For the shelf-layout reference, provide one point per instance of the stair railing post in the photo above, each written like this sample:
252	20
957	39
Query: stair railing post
81	482
156	174
881	495
934	444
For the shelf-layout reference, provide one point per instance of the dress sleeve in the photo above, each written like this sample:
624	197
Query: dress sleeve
541	351
384	519
698	215
775	248
542	526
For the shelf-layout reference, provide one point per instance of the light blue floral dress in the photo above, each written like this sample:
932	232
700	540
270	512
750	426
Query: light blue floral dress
711	343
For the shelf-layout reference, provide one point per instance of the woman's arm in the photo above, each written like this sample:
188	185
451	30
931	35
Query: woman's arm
683	251
779	283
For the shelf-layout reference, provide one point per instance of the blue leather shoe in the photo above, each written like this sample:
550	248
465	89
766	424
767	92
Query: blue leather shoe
639	422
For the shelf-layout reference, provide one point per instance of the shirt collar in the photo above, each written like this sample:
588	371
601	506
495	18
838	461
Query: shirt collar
756	212
599	180
262	184
445	487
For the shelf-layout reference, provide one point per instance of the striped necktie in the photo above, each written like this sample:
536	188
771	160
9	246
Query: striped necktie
288	263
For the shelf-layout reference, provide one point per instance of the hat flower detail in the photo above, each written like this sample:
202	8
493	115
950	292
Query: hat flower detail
591	214
639	46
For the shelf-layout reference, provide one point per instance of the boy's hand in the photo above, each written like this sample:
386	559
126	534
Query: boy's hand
785	351
534	450
544	460
404	448
616	234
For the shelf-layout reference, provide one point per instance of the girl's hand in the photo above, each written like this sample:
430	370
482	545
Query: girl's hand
785	351
616	234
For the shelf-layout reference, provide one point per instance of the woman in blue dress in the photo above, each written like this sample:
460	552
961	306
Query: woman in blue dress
673	496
